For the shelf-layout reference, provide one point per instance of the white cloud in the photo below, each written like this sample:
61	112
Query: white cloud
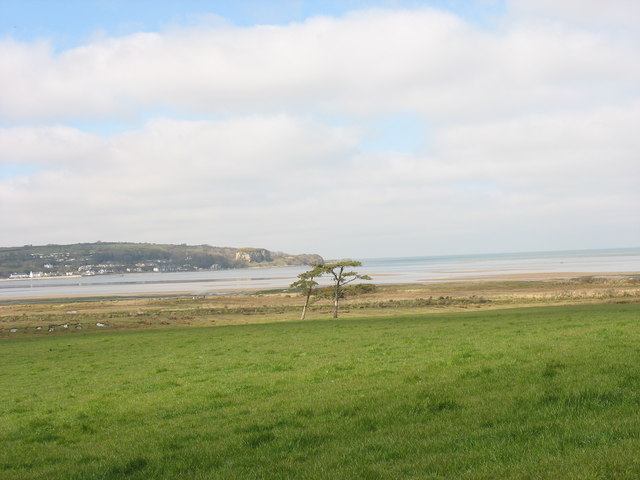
49	145
367	62
218	182
209	175
531	127
589	151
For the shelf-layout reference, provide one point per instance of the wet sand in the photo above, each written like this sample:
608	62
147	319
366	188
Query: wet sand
536	276
378	279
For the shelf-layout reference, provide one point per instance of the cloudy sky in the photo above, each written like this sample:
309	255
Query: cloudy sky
344	128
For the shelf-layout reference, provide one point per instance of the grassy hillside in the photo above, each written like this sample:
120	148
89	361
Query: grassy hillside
523	393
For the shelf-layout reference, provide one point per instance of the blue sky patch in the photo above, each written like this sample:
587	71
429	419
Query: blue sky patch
402	132
69	23
13	170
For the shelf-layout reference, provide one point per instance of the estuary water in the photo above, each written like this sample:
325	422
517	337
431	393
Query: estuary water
382	270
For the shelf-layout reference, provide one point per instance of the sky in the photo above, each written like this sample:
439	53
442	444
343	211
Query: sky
345	128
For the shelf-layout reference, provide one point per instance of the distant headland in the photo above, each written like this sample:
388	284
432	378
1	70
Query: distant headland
101	258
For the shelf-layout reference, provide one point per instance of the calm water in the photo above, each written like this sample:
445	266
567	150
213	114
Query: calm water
383	270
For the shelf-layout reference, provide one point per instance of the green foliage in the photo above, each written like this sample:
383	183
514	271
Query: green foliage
541	393
340	275
306	284
326	293
359	289
306	281
346	292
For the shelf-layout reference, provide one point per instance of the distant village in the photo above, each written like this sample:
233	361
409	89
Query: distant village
61	264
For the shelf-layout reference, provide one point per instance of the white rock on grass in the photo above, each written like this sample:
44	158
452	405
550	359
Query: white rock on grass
100	324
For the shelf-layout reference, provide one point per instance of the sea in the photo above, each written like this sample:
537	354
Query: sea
382	270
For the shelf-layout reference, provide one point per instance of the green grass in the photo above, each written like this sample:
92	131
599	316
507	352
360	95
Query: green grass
539	393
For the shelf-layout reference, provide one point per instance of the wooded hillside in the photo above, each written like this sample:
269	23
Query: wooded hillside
105	257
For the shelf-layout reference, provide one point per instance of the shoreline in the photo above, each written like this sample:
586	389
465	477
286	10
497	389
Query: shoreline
479	279
123	274
53	277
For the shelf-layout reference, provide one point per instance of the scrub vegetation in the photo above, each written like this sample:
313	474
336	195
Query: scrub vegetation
546	393
68	316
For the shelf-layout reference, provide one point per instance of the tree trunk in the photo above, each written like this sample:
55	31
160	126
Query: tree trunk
336	294
306	303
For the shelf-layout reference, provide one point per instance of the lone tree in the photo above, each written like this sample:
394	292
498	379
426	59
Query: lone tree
306	283
341	276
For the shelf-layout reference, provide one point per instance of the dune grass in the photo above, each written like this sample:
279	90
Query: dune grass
537	393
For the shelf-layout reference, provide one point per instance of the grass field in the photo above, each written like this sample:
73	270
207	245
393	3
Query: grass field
535	393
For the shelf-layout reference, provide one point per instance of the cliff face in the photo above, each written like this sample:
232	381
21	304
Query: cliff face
263	257
253	255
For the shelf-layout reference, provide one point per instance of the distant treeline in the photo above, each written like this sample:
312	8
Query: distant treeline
107	257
